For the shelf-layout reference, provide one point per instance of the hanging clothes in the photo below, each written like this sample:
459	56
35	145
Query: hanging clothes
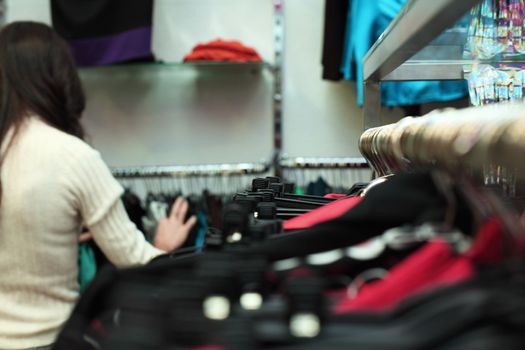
366	21
335	14
431	287
134	208
103	32
436	264
318	188
158	206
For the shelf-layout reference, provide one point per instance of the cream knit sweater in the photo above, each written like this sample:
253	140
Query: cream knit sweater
52	184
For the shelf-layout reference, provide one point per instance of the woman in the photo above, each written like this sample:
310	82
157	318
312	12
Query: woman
51	184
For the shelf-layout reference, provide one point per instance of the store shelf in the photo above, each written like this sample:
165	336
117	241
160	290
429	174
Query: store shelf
426	41
205	65
423	42
419	22
425	70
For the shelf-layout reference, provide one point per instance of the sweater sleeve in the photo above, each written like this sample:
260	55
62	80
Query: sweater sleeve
97	196
120	240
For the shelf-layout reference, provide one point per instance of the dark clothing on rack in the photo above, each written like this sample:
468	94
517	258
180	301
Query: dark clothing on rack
214	208
334	34
435	264
403	199
103	32
134	208
440	292
484	313
318	188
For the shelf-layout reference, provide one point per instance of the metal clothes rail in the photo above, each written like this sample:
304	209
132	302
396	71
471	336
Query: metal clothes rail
324	163
191	170
453	140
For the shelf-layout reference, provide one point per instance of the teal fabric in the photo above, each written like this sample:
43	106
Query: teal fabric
366	22
298	190
202	224
87	265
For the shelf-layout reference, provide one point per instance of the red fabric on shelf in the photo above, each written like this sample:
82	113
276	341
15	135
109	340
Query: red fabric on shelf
222	50
431	266
326	212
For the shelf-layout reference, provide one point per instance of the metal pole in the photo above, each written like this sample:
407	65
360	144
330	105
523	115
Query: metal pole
278	32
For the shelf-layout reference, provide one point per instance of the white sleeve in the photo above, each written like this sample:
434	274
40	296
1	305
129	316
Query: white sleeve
97	197
120	240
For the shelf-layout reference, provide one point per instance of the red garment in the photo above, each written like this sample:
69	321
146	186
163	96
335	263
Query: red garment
335	195
433	265
326	212
221	50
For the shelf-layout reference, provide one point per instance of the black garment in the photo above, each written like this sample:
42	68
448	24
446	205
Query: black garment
357	188
160	303
214	206
110	289
105	31
485	313
134	208
318	188
335	17
403	199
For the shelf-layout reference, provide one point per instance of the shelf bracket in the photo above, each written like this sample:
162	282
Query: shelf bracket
372	104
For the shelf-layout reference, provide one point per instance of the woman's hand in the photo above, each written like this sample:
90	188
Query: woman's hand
173	231
85	237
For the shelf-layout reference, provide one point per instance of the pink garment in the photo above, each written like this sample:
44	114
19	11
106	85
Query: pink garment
335	195
327	212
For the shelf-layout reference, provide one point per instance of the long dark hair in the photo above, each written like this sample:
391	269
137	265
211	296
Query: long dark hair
38	77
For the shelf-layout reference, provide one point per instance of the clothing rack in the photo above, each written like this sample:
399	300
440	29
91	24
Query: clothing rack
324	163
220	179
341	173
480	149
191	170
484	143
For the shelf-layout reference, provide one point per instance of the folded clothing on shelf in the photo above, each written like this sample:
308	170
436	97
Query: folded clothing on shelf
222	50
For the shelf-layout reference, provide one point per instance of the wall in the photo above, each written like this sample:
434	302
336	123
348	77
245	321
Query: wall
154	115
321	118
184	114
140	115
28	10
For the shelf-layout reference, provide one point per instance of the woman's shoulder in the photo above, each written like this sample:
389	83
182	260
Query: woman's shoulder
57	141
63	153
56	150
